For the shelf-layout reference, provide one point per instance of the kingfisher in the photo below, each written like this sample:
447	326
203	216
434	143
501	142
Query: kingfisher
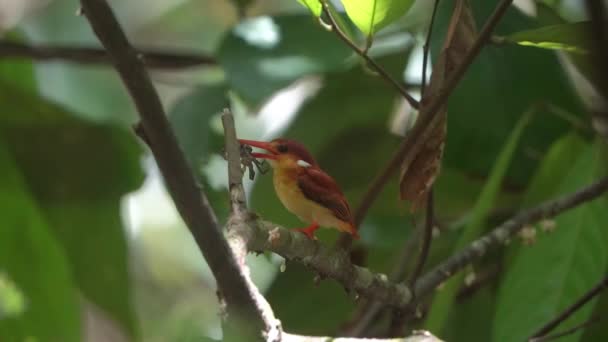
303	188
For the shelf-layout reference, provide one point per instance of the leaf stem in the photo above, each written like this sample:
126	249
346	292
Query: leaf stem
363	53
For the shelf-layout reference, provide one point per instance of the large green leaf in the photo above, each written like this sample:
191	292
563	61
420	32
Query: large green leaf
372	15
294	295
33	259
77	173
571	37
314	6
191	120
486	201
278	50
548	276
503	82
556	162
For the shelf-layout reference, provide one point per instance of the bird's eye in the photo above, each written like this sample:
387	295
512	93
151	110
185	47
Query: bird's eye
282	148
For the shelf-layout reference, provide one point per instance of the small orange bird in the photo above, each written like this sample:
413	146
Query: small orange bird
303	188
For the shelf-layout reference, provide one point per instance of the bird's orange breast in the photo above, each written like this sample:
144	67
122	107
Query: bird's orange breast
289	193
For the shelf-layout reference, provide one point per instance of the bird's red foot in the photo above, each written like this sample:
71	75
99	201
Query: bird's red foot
310	230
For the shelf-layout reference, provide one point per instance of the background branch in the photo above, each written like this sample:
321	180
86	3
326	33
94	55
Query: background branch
191	203
584	299
91	55
567	332
501	234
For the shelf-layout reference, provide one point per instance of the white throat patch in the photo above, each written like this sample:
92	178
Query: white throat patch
303	163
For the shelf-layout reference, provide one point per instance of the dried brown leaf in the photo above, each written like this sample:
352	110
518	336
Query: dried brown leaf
423	162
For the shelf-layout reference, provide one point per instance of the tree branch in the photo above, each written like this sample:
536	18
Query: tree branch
501	234
372	63
90	55
191	203
584	299
236	225
428	119
327	262
335	264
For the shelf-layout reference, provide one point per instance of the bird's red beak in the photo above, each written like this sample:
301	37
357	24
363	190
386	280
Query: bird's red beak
263	145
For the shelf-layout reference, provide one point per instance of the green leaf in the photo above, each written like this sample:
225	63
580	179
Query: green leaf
77	173
546	277
294	293
372	15
486	201
33	259
556	163
502	83
191	118
571	37
314	6
279	50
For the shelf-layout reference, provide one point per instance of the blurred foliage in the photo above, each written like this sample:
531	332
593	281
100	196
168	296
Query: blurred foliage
68	159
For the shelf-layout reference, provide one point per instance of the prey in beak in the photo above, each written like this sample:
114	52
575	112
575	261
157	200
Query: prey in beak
272	151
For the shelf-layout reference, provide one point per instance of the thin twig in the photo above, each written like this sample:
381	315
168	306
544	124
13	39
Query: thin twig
363	53
428	119
545	338
427	47
368	312
91	55
399	317
430	215
191	203
429	223
584	299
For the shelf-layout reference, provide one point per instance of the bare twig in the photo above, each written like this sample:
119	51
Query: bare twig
91	55
429	223
545	338
427	47
428	119
363	53
584	299
368	312
501	234
191	203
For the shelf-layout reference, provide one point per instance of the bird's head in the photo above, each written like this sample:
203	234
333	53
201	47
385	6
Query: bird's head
282	153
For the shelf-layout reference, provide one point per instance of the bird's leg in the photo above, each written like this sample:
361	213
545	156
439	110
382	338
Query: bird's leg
310	230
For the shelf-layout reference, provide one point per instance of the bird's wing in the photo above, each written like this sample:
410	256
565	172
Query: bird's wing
319	187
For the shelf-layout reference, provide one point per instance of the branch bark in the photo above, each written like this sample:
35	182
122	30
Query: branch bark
335	264
90	55
191	203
